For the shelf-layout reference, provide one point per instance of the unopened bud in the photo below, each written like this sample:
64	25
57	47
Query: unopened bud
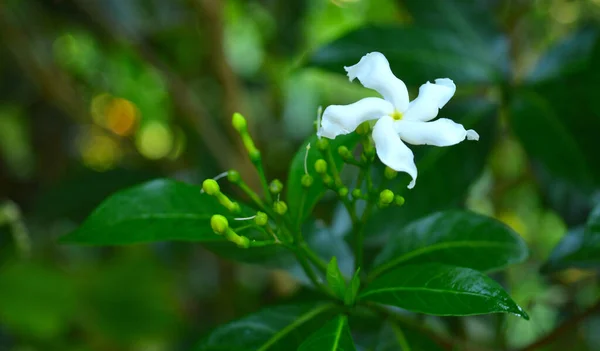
253	153
321	166
239	123
307	180
275	187
343	192
322	144
261	219
390	173
357	194
344	152
363	128
219	224
369	151
386	197
234	176
211	187
399	200
280	207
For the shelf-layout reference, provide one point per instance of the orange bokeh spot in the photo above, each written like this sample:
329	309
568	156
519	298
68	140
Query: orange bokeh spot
121	116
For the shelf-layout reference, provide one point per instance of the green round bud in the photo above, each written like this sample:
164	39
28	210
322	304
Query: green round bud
261	219
363	128
327	180
390	173
399	200
307	180
343	192
234	176
369	151
322	144
211	187
254	155
239	123
280	207
275	187
321	166
219	224
344	152
241	241
386	197
357	194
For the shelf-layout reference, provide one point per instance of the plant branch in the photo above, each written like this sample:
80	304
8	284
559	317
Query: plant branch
567	325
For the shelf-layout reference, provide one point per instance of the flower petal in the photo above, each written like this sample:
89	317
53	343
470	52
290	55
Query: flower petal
391	150
432	97
441	132
343	119
373	71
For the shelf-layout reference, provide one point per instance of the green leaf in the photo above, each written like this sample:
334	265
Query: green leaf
353	288
441	290
333	336
167	210
445	173
579	248
335	279
454	237
396	338
159	210
271	329
312	195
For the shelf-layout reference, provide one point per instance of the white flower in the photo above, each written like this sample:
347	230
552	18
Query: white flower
398	119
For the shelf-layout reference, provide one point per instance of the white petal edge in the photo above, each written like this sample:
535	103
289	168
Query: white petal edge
343	119
432	97
374	72
441	132
392	151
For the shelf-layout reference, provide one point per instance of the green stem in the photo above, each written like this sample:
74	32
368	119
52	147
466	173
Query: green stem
313	257
263	179
311	275
260	243
301	209
360	236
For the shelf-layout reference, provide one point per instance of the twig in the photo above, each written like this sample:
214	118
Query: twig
563	328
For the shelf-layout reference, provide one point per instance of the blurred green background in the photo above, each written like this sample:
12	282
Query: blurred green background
99	95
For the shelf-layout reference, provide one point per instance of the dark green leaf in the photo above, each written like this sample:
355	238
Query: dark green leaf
159	210
271	329
295	190
442	290
579	248
457	238
333	336
396	338
335	279
354	286
445	173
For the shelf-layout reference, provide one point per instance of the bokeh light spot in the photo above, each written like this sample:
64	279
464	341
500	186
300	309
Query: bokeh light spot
154	140
121	116
98	151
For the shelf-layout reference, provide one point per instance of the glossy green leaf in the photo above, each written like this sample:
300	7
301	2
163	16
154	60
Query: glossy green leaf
445	173
396	338
333	336
159	210
296	193
579	248
335	279
442	290
271	329
458	238
353	287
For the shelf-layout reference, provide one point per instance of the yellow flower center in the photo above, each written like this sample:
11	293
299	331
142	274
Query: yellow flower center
396	115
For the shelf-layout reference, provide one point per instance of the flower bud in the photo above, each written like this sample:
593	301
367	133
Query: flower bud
357	194
343	192
219	224
322	144
399	200
253	153
386	197
321	166
275	186
280	207
327	180
211	187
239	123
344	152
307	180
390	173
261	219
369	151
363	128
234	176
